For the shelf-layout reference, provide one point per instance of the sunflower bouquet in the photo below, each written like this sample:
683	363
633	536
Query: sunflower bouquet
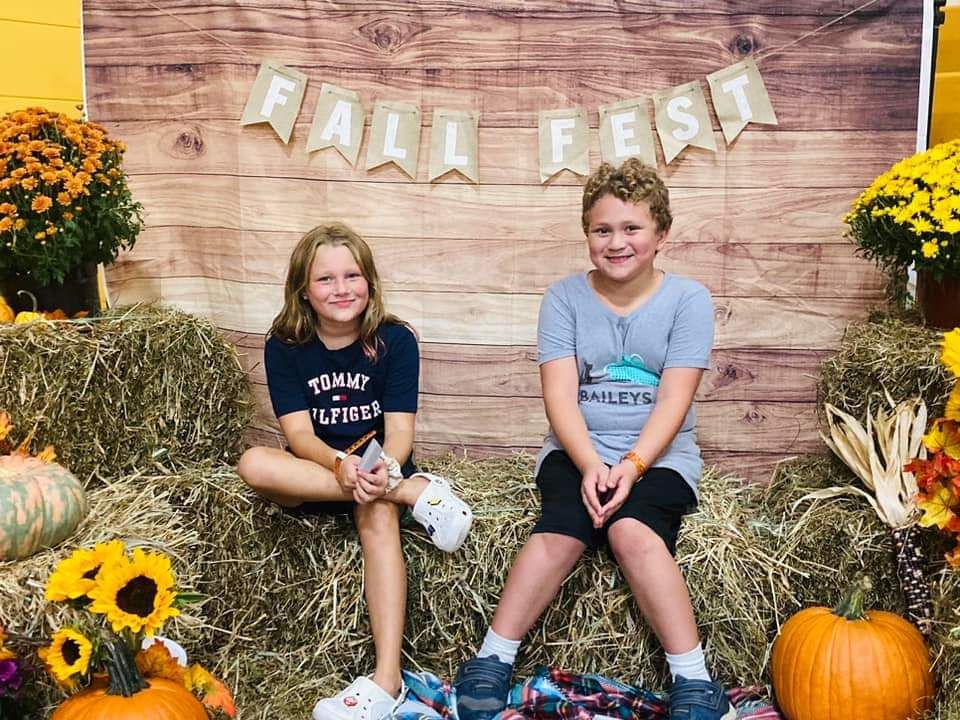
127	597
937	470
64	199
911	214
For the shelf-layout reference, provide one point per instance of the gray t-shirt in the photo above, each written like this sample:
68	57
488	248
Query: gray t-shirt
620	360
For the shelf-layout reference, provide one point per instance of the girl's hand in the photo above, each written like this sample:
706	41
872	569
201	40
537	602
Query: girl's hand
371	485
619	483
347	476
593	479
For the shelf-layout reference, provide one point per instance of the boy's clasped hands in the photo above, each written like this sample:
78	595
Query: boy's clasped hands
604	489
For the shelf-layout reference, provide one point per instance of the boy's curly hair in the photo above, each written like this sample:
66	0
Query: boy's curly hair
632	182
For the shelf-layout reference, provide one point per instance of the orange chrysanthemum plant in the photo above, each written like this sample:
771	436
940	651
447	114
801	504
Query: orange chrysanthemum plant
127	597
937	469
64	199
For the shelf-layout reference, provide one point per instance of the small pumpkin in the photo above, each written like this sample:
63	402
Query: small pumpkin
849	664
40	504
6	312
27	316
126	695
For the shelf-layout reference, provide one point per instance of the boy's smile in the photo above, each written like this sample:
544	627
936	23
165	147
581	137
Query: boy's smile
623	239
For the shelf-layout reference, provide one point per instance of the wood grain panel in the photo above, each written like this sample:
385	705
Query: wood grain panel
500	265
476	370
853	95
540	8
544	214
510	156
501	318
486	40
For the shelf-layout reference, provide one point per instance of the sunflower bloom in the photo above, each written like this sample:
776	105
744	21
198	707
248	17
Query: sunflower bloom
67	655
75	576
136	594
951	351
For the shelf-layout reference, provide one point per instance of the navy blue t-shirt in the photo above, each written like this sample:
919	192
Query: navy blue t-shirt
345	394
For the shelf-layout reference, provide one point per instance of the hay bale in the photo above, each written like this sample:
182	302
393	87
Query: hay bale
885	353
285	621
140	387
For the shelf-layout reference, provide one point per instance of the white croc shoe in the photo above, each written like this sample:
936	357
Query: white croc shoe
446	518
362	699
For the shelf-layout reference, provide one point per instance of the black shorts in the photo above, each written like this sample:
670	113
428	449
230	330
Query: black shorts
659	501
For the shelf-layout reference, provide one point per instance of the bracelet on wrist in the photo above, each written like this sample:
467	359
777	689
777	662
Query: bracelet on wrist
637	461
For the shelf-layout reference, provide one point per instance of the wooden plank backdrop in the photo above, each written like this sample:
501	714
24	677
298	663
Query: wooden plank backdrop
759	222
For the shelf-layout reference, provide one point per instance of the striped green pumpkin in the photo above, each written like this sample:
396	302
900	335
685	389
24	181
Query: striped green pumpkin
40	505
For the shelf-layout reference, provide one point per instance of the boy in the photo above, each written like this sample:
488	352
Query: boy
622	349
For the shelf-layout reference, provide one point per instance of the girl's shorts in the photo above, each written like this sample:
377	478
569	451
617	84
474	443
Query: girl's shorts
659	500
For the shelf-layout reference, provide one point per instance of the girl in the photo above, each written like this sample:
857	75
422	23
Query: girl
341	371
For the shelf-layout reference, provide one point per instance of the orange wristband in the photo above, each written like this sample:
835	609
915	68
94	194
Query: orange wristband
341	456
638	463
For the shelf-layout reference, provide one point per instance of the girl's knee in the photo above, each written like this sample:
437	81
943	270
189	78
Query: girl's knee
254	468
378	517
630	538
562	548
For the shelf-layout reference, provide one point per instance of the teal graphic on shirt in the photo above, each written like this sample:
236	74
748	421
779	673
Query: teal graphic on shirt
629	369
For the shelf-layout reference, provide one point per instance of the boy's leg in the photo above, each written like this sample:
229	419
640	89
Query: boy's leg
559	538
642	536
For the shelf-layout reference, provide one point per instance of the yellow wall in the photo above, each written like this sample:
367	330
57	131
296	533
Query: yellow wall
41	52
945	119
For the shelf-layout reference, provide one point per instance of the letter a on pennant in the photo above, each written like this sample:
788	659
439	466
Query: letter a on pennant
275	98
453	143
740	97
337	122
683	119
395	137
625	132
563	141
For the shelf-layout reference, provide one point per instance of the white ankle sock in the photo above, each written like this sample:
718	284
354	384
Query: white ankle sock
493	644
690	665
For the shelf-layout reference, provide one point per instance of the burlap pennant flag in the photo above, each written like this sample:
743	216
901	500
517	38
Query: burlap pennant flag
453	143
625	132
683	119
395	137
337	122
740	97
564	142
275	98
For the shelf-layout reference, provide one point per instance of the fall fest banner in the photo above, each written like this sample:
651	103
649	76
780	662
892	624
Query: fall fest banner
681	117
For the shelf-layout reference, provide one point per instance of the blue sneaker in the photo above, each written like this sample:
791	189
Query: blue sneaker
482	687
699	700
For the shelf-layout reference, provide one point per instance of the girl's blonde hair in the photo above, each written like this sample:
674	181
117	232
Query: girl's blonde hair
632	182
297	322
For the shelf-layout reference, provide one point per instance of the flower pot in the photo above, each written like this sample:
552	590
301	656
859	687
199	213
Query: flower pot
79	291
939	300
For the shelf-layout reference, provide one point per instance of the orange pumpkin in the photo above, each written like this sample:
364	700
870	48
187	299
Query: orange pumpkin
6	312
162	700
125	695
847	664
40	504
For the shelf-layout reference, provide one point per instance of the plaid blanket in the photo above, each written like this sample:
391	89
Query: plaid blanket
559	695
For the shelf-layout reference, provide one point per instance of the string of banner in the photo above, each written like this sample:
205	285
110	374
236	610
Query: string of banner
681	118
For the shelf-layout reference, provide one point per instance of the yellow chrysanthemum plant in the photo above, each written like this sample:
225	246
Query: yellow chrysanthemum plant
910	215
64	199
125	597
